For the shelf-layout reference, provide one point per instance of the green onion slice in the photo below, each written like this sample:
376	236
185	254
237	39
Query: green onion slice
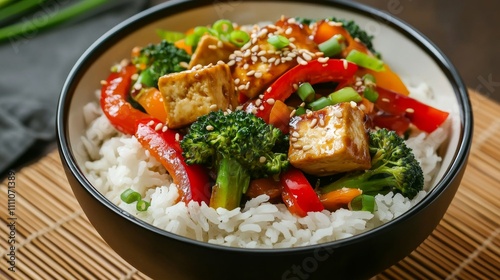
306	92
371	94
223	26
346	94
332	46
142	205
170	36
278	41
239	38
320	103
363	202
129	196
366	61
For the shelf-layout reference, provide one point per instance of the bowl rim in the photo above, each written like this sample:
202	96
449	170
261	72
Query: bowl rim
169	8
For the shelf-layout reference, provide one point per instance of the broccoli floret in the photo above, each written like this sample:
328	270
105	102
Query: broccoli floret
156	60
394	168
238	146
354	30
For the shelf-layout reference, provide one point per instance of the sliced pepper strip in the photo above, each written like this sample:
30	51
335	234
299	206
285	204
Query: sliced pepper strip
192	180
122	115
298	194
423	116
314	72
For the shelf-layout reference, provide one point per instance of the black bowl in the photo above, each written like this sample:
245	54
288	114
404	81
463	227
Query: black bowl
164	255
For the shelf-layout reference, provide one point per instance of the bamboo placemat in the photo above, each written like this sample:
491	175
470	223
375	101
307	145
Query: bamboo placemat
54	240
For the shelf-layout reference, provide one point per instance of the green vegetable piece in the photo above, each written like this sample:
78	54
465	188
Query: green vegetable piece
363	203
142	205
239	38
129	195
237	146
278	41
346	94
320	103
306	92
332	46
371	94
223	26
300	111
366	61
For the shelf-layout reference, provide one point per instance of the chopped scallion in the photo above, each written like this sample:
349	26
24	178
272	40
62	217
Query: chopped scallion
306	92
346	94
129	196
223	26
363	203
300	111
371	94
366	61
278	41
332	46
320	103
239	38
142	205
170	36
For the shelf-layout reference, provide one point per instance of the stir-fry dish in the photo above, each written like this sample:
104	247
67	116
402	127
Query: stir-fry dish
304	111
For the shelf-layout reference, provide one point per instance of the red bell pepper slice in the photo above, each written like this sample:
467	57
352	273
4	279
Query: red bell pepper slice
298	194
314	72
192	180
114	102
424	117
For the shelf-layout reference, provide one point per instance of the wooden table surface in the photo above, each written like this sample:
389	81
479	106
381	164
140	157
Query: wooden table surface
54	240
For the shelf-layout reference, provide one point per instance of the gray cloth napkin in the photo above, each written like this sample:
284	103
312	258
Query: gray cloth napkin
33	70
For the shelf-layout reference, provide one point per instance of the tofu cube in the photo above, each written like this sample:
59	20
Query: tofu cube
211	50
329	141
193	93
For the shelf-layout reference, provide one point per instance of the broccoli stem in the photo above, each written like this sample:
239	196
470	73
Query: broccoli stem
232	181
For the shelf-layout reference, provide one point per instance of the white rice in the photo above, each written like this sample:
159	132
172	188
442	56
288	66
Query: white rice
118	162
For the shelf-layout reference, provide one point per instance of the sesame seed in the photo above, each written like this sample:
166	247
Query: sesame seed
277	62
301	61
261	53
220	62
124	62
212	47
247	53
263	59
209	127
258	74
262	159
307	56
303	104
251	73
270	101
313	123
353	104
362	107
177	137
295	134
237	81
261	107
254	58
213	107
385	99
138	86
293	113
135	76
346	64
245	66
410	110
271	60
291	20
289	31
255	48
103	82
288	58
292	54
258	102
293	139
220	44
232	56
309	114
247	86
338	114
241	87
150	123
295	86
321	122
323	59
158	126
239	53
269	89
164	128
297	146
306	147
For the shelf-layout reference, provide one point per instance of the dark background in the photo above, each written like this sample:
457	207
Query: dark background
466	31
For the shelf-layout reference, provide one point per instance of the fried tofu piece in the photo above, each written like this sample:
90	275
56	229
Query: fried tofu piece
329	141
192	93
211	50
259	64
